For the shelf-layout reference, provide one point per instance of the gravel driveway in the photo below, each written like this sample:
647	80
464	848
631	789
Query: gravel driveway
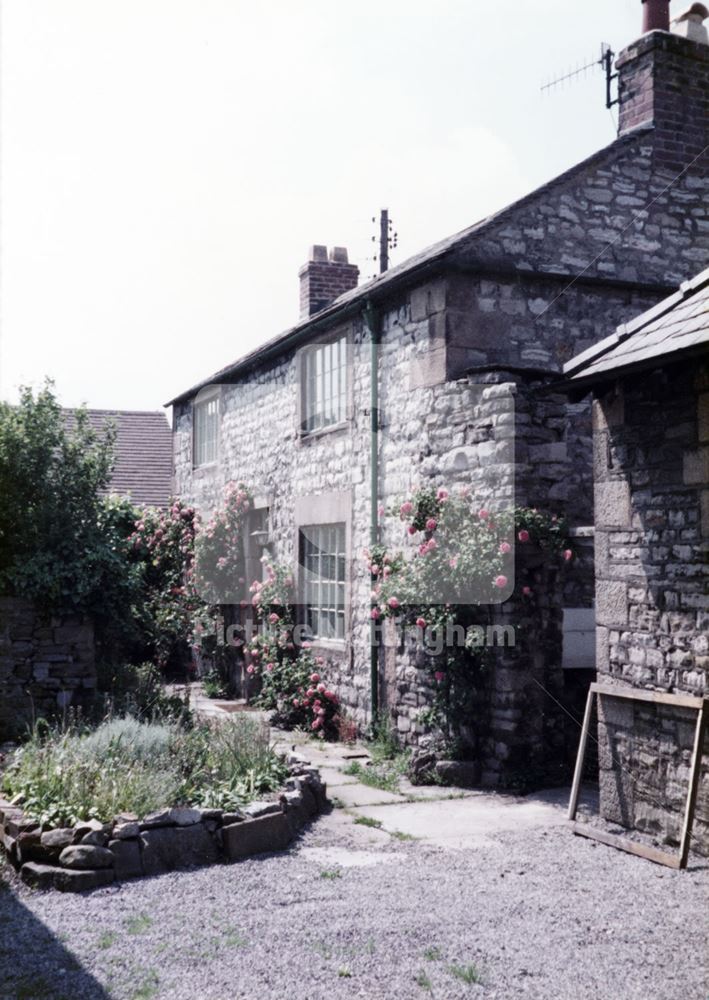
351	912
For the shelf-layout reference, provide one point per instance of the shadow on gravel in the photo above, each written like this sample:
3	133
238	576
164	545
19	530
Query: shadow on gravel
34	964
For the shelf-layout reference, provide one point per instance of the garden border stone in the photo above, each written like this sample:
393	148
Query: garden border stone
92	854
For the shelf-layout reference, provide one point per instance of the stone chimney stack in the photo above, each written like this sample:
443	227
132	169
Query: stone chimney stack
324	278
663	80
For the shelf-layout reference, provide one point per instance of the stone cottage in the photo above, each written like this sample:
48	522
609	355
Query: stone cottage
429	372
650	383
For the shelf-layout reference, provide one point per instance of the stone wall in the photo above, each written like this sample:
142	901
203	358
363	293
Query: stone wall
652	532
92	854
46	664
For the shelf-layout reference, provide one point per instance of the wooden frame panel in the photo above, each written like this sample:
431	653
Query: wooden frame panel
624	843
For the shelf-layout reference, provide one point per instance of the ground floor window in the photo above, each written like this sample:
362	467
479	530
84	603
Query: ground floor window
322	558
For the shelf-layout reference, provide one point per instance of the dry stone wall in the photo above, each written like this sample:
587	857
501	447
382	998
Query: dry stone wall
46	664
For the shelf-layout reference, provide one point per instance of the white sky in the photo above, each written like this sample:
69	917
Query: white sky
167	163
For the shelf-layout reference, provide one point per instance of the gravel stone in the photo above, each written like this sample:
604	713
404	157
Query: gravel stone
544	915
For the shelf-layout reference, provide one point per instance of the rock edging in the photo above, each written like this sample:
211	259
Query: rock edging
92	854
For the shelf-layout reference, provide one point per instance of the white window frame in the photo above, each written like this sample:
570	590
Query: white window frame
205	436
324	385
323	562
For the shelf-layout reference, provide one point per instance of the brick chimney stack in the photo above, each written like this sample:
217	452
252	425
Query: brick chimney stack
324	278
663	80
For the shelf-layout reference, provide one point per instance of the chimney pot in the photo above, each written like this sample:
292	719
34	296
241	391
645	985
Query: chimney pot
339	255
690	24
318	252
656	15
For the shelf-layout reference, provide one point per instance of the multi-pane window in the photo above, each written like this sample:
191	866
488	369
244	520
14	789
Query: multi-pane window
206	430
324	385
323	563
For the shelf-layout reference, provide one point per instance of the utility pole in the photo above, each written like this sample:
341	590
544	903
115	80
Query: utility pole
387	240
384	241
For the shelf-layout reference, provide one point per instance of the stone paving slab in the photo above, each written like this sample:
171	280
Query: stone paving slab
472	821
358	794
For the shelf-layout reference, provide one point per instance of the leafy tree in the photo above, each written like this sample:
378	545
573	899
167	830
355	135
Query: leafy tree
52	543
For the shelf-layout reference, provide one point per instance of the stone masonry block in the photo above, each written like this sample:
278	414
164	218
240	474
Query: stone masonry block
257	836
612	504
696	467
703	417
705	513
611	603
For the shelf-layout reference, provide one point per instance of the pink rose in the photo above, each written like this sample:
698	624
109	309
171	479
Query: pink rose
249	669
406	508
483	515
431	544
568	554
501	581
321	688
442	495
505	547
523	535
296	703
269	666
527	591
374	569
376	614
314	678
321	712
319	660
453	562
393	603
440	676
421	622
431	524
331	696
310	692
411	529
273	618
316	724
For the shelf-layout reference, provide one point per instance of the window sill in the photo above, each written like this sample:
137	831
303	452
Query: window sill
328	645
323	431
205	467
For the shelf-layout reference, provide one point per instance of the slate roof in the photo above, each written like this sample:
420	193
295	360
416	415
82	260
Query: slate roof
676	327
143	453
407	272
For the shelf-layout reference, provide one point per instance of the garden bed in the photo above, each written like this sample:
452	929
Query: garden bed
83	809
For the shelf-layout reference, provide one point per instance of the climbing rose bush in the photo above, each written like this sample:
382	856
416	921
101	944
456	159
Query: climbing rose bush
464	554
291	678
219	550
463	550
163	544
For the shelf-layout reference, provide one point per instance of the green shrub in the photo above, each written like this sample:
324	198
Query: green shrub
138	690
125	765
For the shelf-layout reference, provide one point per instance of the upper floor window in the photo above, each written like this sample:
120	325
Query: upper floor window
324	385
323	561
206	430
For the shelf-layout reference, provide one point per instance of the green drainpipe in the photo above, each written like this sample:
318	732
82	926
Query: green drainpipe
372	320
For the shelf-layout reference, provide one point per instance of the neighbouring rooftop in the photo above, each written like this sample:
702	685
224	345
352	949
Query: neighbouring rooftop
676	327
143	453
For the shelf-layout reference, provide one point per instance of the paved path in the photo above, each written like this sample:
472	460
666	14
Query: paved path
441	816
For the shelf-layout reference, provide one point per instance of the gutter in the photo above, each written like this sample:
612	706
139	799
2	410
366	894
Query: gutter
372	319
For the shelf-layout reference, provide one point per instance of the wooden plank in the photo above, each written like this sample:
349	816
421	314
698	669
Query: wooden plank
578	771
693	786
629	846
656	697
